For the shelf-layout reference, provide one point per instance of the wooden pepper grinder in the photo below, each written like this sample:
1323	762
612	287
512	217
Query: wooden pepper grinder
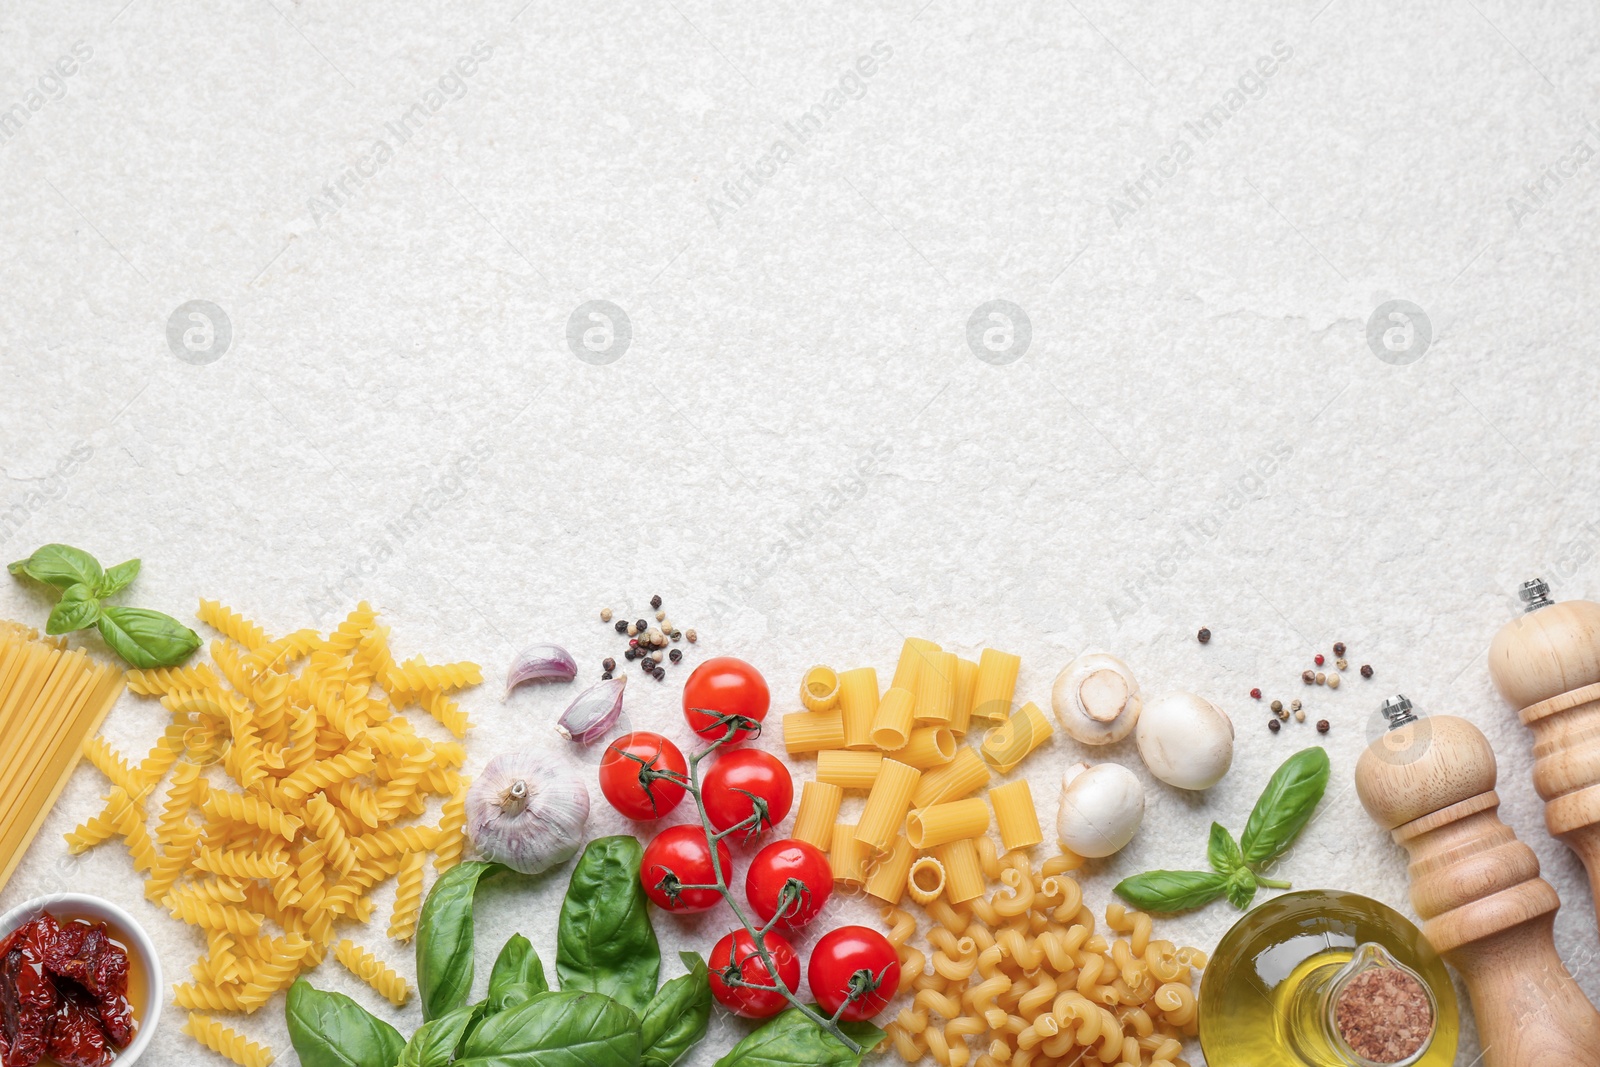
1546	663
1485	909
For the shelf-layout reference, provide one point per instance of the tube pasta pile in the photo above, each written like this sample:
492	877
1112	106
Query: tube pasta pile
320	773
1018	976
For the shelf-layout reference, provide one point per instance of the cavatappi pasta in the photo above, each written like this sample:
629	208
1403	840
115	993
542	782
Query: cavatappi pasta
1021	978
323	774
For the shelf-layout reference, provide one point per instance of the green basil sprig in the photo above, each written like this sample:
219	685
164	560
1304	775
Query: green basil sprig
1281	812
445	939
566	1029
518	975
792	1040
331	1030
604	941
145	639
677	1017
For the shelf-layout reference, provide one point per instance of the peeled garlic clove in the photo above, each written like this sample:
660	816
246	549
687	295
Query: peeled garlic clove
1096	699
594	712
1101	809
526	811
540	663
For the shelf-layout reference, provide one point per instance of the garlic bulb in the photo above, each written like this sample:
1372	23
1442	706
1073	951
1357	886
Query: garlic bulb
1185	740
1101	808
1096	699
527	812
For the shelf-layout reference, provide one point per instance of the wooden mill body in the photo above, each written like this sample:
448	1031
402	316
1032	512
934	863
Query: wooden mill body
1547	664
1477	888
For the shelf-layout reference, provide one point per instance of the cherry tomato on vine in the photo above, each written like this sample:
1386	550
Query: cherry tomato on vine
793	876
736	954
853	959
630	775
679	856
724	686
742	782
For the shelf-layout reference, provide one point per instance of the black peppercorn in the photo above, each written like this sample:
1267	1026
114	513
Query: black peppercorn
1338	648
632	653
1274	725
606	677
642	625
609	664
1366	670
622	626
660	673
1308	677
1322	726
655	601
1204	635
676	654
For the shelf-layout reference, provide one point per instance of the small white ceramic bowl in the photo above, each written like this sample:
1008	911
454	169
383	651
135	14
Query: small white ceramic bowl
82	906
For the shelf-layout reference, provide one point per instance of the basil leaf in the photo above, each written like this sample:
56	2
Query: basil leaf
61	566
1285	806
434	1044
1223	851
145	638
76	609
677	1017
517	975
117	578
1242	888
1170	891
444	939
331	1030
557	1030
604	941
792	1040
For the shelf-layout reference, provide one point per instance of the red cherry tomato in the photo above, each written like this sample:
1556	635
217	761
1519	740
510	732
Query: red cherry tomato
678	857
797	867
630	775
740	782
736	955
724	686
853	959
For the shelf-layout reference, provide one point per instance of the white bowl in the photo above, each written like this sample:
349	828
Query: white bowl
82	906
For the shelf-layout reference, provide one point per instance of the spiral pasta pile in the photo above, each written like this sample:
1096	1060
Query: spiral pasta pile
1021	978
306	818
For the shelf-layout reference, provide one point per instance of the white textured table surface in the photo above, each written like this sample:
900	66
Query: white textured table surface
798	448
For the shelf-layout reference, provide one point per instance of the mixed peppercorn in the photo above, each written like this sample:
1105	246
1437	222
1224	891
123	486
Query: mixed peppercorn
647	642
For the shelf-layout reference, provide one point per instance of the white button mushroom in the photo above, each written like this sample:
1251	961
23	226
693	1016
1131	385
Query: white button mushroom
1101	808
1185	740
1096	699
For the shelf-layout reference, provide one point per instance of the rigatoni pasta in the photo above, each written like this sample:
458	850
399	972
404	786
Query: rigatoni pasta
848	855
1009	743
961	777
925	881
936	689
819	689
963	875
887	804
966	685
849	770
995	685
812	731
818	811
892	723
942	823
887	877
1015	815
927	747
913	654
858	699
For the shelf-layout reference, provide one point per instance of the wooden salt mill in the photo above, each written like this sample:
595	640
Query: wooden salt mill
1546	663
1485	909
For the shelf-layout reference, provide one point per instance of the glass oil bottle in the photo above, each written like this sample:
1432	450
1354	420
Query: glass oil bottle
1268	994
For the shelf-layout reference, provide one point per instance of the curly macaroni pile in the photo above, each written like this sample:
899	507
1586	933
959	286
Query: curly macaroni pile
320	773
1021	977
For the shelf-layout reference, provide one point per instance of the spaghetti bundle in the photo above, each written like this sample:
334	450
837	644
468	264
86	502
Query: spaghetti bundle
51	700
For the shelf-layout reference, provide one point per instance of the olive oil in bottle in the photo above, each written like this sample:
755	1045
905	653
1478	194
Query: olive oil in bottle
1285	988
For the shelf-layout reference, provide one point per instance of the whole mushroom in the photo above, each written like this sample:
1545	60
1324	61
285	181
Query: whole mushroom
1101	808
1185	740
1096	699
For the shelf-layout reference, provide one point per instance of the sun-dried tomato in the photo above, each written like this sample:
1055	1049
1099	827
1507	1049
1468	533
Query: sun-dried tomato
89	958
76	1036
28	1000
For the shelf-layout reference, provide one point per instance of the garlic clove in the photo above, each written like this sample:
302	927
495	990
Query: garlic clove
540	663
595	711
1096	699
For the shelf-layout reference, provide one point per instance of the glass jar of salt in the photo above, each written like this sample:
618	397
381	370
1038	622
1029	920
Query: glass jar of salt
1379	1013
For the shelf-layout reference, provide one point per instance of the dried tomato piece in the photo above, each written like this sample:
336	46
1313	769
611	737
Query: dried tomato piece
58	942
28	1000
116	1016
76	1036
96	962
